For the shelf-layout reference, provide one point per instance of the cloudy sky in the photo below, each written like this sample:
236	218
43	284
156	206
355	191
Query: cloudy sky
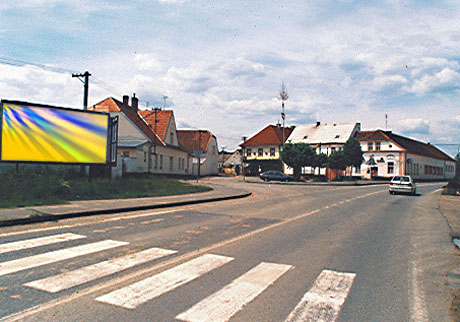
221	63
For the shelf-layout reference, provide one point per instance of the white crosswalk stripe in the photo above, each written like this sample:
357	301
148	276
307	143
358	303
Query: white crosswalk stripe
56	256
222	305
131	296
37	242
70	279
325	299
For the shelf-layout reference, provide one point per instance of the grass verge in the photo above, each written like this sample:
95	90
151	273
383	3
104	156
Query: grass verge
33	187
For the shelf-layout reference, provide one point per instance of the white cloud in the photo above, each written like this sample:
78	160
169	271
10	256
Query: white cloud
446	79
414	126
173	1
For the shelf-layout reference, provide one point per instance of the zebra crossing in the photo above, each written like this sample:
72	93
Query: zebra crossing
320	303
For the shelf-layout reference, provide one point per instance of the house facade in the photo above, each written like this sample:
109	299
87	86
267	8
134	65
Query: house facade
261	152
205	142
324	138
140	149
387	154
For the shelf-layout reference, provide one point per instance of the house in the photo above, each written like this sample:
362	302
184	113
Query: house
324	138
262	151
205	142
387	154
232	165
140	149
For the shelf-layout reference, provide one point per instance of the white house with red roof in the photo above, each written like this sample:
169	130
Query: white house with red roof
261	152
387	154
148	141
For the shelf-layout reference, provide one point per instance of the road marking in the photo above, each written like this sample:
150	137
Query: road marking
325	299
56	256
222	305
37	242
135	294
66	299
89	223
70	279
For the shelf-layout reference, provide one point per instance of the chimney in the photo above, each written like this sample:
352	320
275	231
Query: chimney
318	123
278	125
135	103
125	101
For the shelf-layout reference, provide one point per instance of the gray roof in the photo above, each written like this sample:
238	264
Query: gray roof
131	143
324	133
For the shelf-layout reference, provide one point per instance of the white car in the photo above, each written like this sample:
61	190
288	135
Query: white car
403	184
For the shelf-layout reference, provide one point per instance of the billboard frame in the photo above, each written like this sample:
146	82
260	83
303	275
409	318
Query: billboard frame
15	102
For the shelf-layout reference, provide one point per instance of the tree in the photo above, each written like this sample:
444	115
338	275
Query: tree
319	161
353	154
336	160
297	155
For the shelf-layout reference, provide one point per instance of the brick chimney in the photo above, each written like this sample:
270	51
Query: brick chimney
125	101
135	103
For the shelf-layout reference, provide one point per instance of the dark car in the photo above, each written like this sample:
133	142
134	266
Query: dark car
274	176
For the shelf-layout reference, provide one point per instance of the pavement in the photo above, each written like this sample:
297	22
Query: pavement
28	215
325	183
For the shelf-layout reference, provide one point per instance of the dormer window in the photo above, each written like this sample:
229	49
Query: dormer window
337	136
305	137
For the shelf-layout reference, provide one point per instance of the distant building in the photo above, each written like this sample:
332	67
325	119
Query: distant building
209	158
387	154
233	163
148	141
261	152
324	138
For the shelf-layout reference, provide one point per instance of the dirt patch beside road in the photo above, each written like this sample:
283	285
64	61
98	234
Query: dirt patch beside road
449	207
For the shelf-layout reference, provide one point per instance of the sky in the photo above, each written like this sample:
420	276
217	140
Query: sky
222	63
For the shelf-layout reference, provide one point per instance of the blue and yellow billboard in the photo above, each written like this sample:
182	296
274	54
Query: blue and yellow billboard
38	133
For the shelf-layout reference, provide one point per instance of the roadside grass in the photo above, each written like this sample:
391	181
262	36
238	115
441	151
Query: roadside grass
45	186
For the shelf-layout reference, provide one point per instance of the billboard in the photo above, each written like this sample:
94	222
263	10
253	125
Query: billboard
40	133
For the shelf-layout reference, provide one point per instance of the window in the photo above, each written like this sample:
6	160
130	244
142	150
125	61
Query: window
332	149
125	154
377	146
145	156
171	163
161	161
260	152
370	146
391	168
172	137
272	152
248	152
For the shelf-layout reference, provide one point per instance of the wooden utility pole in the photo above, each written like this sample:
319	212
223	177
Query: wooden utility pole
85	76
198	156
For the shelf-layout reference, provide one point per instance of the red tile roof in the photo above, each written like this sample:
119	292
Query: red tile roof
409	145
188	140
271	135
111	104
163	118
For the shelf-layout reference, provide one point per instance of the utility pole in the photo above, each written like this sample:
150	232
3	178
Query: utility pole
198	156
85	76
284	97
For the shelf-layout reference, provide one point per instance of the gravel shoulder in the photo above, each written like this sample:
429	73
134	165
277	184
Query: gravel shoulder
449	207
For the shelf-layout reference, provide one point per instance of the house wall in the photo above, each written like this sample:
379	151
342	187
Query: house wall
406	164
252	152
211	165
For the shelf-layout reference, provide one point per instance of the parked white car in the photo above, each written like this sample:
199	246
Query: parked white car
403	184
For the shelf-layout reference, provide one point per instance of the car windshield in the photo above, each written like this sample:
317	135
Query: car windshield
396	179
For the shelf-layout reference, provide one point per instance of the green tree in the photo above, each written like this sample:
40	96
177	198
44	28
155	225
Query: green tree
336	160
297	155
319	161
353	154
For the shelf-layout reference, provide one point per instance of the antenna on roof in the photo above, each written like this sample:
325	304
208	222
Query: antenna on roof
386	122
164	101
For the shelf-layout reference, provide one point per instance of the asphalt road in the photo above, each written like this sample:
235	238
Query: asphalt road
303	252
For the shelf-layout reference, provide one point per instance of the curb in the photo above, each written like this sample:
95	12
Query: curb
43	217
